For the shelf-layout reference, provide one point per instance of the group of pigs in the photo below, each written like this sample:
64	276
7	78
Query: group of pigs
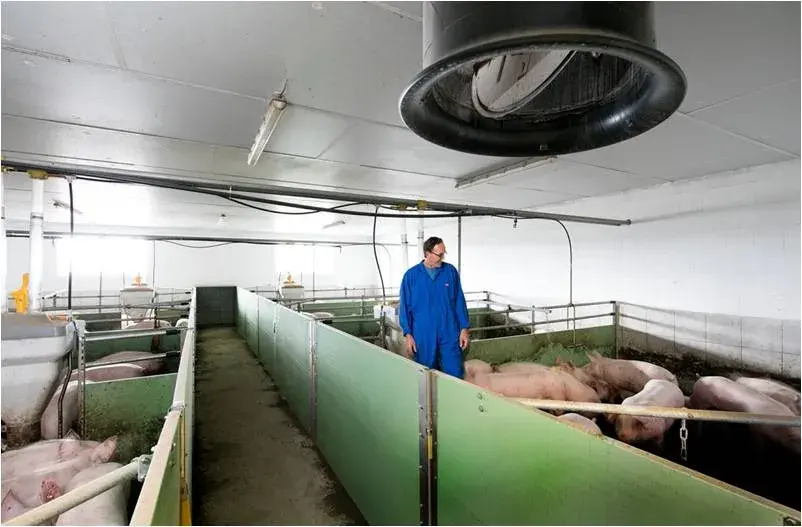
44	470
638	383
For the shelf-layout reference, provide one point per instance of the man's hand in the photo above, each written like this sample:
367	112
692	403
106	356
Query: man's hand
411	348
464	339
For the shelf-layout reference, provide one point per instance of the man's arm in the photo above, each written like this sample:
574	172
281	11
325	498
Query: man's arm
404	314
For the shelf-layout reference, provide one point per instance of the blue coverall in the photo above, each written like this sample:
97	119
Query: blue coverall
434	312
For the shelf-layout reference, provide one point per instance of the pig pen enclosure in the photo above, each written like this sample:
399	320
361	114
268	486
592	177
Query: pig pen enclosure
130	412
411	445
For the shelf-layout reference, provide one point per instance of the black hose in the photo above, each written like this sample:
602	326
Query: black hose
240	199
72	249
376	256
66	381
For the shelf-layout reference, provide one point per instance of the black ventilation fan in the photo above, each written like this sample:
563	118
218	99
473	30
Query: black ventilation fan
523	79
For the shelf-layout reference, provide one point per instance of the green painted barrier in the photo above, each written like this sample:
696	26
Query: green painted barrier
266	353
131	409
499	463
291	369
367	425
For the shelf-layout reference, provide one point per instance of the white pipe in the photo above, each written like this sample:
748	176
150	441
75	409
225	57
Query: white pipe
3	249
35	244
404	246
661	411
75	497
420	236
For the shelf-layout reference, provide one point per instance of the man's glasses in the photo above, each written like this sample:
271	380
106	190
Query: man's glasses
441	255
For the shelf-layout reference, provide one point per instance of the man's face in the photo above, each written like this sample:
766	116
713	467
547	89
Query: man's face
436	256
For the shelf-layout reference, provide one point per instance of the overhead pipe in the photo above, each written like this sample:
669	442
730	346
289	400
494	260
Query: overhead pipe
17	233
82	494
35	243
371	199
692	414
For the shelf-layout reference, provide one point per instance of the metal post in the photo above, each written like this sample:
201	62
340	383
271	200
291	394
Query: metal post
82	379
404	246
616	328
425	446
313	379
100	293
3	248
459	245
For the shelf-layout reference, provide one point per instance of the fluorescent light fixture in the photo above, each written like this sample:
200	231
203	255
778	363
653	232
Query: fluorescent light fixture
222	220
472	180
275	109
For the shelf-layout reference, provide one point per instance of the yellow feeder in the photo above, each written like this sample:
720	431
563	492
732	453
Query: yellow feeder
21	295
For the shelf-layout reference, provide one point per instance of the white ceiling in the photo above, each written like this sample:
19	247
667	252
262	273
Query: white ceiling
179	89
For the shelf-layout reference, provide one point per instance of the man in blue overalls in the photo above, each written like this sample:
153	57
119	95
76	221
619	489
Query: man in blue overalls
433	313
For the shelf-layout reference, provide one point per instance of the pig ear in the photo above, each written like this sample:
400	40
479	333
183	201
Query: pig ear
72	434
591	357
559	361
105	451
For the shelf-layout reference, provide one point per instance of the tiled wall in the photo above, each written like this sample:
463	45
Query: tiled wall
763	344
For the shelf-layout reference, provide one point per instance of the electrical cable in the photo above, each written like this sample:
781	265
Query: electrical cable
240	198
72	248
376	256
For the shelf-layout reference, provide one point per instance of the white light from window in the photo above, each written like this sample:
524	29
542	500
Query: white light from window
300	259
92	256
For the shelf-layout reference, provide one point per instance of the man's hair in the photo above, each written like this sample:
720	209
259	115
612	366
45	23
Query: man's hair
429	244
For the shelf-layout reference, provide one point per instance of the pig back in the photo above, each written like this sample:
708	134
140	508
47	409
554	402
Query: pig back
108	508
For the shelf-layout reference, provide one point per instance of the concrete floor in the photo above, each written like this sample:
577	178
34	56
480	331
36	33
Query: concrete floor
252	464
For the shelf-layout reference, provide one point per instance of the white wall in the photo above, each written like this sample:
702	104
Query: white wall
712	264
235	264
728	243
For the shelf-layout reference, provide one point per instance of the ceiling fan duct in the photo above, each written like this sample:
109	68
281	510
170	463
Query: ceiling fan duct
522	79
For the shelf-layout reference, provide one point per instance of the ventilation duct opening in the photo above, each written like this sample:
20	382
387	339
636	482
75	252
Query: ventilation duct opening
524	79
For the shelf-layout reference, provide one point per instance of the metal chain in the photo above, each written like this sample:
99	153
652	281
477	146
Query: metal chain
683	436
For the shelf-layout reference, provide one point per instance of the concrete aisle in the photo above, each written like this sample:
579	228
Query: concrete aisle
252	464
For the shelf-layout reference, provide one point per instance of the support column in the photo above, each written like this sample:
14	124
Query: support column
35	241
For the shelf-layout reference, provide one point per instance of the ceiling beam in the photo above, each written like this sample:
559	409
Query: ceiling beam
421	204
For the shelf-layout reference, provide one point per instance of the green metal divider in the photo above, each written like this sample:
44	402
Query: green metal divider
291	369
499	463
168	505
266	340
368	424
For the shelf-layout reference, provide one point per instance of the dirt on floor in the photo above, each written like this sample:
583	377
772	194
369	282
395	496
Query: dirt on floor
253	465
